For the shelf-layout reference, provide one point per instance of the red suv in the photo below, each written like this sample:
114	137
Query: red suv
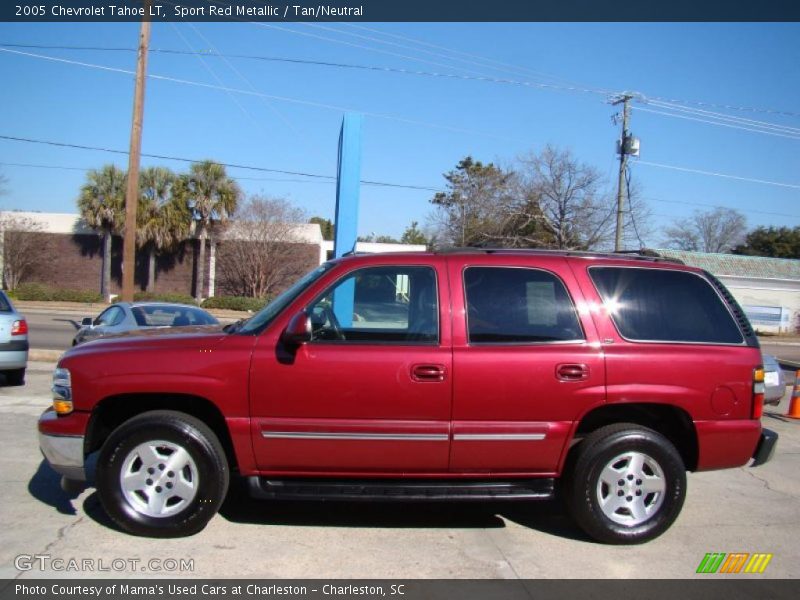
464	375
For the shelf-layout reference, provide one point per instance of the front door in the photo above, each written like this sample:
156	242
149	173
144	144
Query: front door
371	392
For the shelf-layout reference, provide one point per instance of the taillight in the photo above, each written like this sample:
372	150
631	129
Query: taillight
19	327
758	392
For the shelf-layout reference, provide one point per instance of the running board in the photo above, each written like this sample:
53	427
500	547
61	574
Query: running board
399	489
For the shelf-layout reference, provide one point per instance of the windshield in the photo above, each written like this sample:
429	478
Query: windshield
265	316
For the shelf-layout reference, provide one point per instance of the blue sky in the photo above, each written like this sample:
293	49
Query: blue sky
750	65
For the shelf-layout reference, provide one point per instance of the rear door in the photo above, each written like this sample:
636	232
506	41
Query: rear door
526	363
371	392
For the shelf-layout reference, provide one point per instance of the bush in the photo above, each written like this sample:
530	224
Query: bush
165	297
38	291
235	303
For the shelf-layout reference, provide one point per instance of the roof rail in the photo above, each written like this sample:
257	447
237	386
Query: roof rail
643	255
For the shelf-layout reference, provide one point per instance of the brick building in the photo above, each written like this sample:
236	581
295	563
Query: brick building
71	256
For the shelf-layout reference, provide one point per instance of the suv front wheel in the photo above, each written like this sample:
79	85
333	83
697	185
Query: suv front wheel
162	474
626	485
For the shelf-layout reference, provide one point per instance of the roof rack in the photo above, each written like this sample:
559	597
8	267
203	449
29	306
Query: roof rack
643	255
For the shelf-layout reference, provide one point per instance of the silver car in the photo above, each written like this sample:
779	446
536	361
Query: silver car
129	316
13	342
773	380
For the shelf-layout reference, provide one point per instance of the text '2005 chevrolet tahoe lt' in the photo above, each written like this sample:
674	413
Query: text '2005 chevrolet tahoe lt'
463	375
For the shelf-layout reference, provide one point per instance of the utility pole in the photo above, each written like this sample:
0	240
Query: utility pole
134	157
623	150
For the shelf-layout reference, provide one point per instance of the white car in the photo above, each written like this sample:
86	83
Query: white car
13	342
773	380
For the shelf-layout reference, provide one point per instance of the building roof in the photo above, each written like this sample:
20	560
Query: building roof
53	222
734	265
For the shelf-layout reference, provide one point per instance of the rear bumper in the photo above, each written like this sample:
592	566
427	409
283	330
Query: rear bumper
726	444
16	358
766	447
63	451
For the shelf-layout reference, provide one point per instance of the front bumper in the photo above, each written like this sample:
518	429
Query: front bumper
765	448
64	452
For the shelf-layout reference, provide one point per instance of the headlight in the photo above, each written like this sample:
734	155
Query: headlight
62	391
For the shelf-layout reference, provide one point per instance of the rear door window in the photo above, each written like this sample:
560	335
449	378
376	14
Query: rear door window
518	305
664	305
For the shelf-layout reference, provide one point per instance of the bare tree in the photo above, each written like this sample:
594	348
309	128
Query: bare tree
259	248
19	248
549	200
567	197
718	230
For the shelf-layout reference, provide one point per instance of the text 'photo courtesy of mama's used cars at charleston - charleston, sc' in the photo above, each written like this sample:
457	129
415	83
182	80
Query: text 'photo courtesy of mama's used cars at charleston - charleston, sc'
435	376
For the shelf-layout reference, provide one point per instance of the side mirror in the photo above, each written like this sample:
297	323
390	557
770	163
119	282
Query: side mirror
298	331
86	322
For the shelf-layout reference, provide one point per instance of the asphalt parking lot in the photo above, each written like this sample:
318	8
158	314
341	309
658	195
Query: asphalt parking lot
739	510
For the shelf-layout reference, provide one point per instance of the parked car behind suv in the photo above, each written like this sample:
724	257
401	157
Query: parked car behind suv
774	381
13	342
466	375
123	317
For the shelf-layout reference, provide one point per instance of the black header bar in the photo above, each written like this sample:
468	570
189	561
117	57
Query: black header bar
399	10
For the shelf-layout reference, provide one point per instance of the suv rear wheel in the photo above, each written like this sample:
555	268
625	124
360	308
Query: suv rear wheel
627	484
162	474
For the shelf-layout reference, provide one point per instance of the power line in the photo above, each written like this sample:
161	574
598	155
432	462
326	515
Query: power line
247	82
84	169
711	117
224	164
699	172
260	94
513	68
751	129
723	117
571	87
709	205
752	109
320	63
330	180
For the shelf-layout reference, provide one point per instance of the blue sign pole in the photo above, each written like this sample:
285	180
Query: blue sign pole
348	185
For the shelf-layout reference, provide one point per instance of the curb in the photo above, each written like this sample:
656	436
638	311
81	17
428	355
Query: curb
37	355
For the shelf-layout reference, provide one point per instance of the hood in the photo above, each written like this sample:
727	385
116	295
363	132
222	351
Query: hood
194	336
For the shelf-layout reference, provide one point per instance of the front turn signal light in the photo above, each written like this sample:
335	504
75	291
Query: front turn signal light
62	407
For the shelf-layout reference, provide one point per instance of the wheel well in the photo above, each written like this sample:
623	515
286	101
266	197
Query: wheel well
670	421
113	411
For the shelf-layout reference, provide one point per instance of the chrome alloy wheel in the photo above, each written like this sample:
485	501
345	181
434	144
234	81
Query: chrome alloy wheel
631	488
159	478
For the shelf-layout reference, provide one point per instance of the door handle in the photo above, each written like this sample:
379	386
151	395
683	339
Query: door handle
572	372
427	373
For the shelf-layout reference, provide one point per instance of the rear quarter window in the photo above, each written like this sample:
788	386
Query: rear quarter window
660	305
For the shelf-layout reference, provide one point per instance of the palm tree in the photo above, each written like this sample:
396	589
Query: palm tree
102	205
163	219
211	196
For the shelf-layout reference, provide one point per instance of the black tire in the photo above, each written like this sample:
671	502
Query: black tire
15	377
585	485
178	431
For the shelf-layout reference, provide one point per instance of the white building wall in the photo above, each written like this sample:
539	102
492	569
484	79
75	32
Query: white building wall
756	292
